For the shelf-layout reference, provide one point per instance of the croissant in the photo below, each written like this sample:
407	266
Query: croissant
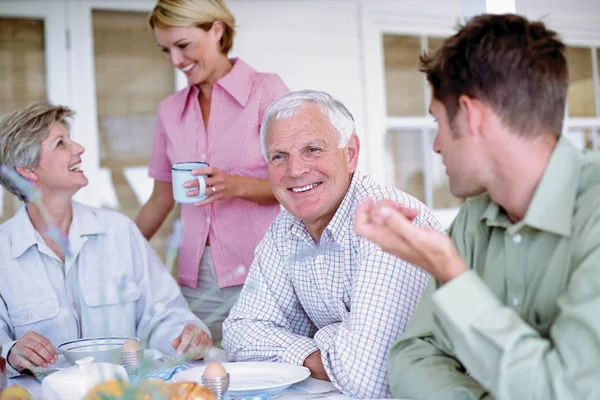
150	389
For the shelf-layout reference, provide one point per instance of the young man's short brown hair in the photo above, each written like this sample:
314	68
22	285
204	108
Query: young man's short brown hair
516	66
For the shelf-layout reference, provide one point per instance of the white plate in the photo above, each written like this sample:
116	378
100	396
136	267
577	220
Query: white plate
248	378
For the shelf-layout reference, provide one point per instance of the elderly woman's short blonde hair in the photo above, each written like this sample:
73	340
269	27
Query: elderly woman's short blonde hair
21	135
199	13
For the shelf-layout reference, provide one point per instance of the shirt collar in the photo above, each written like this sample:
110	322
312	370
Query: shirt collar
237	83
84	223
338	225
551	208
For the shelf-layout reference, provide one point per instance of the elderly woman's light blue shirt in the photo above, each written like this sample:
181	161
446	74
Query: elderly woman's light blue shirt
113	284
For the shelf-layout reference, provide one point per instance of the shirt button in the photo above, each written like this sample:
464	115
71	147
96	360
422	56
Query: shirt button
515	302
208	220
319	258
517	238
74	305
28	316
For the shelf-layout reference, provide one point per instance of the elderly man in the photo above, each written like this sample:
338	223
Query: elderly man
68	270
517	285
317	294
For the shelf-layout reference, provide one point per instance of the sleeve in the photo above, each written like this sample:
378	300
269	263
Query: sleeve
273	89
6	338
386	292
268	322
509	357
422	363
159	166
423	367
162	312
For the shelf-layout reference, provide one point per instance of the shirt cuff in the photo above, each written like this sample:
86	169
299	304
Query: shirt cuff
326	335
459	303
301	348
10	371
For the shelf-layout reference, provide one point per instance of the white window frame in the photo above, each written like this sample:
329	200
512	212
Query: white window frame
55	48
55	43
378	20
83	77
380	17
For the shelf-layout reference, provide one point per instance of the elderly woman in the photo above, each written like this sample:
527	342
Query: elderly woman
102	279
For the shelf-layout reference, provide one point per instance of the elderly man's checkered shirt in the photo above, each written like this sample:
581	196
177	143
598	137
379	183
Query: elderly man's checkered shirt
345	297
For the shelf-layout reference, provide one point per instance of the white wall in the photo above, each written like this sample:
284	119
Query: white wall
331	45
577	21
310	44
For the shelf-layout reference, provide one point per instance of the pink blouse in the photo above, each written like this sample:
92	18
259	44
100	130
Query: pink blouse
231	143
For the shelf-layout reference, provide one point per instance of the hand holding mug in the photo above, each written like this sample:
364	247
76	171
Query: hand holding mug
219	185
182	175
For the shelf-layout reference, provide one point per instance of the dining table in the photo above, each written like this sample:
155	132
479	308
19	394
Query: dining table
308	389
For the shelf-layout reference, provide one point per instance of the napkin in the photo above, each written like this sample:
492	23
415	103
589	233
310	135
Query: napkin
168	373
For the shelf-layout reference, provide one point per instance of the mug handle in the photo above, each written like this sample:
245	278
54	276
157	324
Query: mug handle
201	186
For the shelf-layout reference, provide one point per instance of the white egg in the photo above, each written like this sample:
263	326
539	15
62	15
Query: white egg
132	345
214	370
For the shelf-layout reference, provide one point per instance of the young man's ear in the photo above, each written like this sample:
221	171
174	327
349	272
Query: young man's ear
473	110
28	173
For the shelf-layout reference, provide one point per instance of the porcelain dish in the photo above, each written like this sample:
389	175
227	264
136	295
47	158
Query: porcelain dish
252	378
73	383
103	349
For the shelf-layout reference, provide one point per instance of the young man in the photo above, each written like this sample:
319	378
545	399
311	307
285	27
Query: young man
513	310
317	294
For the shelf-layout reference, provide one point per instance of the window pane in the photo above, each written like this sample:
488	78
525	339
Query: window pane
22	76
407	155
404	84
132	78
581	89
592	139
442	197
598	69
434	43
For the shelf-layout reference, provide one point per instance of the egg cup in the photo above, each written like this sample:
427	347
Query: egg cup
218	385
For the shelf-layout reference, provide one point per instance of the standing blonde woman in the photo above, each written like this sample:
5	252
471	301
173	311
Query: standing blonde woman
216	120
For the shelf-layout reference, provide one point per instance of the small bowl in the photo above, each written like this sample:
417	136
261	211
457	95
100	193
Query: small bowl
73	383
103	349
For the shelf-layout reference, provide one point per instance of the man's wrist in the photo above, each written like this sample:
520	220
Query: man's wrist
453	269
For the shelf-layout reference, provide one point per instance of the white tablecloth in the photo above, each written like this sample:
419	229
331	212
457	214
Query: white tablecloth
306	390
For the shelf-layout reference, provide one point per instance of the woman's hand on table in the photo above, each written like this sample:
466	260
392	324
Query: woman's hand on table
192	342
32	350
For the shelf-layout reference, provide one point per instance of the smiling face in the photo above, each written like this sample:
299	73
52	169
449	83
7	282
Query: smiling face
59	169
308	173
193	50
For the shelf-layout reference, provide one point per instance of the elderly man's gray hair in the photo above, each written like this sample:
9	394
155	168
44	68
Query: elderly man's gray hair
286	106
